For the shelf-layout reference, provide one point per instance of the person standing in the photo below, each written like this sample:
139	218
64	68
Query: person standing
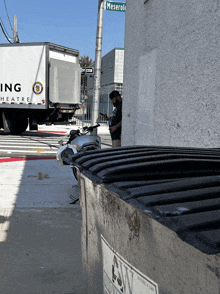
115	120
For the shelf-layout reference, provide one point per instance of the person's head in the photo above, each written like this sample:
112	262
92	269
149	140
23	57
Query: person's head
115	97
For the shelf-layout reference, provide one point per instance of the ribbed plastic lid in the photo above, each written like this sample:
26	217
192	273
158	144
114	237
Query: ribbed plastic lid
179	187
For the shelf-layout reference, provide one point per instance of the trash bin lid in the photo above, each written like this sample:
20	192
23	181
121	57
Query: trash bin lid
179	187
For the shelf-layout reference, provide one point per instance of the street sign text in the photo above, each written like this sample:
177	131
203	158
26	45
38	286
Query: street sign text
115	6
87	70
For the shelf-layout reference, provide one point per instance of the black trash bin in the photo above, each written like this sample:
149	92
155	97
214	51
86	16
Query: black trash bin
151	219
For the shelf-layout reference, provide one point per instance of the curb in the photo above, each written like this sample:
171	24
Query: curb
24	159
56	132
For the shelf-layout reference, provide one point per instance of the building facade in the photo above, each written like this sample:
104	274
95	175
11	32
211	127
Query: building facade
112	67
171	74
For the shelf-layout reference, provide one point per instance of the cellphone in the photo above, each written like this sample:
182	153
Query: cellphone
102	114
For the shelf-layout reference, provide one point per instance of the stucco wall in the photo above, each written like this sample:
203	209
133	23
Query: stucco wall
172	73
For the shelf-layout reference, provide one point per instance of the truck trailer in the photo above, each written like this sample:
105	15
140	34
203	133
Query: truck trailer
39	83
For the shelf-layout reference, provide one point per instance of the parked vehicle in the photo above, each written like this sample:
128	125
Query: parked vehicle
39	83
79	141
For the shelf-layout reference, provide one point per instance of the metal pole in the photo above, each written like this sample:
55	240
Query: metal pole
97	70
84	95
15	29
108	100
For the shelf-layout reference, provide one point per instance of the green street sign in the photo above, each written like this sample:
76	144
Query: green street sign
115	6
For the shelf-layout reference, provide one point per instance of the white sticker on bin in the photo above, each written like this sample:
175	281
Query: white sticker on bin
119	276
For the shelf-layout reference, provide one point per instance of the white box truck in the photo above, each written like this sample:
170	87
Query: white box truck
39	83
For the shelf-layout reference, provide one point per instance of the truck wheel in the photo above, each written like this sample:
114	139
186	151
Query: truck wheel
23	124
14	125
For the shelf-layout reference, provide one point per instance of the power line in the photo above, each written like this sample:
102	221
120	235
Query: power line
8	16
4	32
5	28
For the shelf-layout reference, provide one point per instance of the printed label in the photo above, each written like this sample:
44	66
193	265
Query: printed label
119	276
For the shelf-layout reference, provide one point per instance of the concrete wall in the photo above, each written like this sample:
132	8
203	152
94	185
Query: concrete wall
112	68
119	66
172	73
108	65
111	79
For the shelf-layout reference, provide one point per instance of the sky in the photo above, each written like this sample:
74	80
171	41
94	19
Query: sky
70	23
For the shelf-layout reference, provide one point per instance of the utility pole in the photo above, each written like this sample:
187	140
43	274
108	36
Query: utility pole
15	29
97	70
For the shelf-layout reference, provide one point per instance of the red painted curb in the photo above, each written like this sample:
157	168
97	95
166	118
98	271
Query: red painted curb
24	159
56	132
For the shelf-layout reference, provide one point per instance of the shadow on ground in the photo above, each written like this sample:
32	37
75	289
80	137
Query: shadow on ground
40	235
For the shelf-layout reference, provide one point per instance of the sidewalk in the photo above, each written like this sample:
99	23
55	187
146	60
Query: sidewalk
102	130
40	231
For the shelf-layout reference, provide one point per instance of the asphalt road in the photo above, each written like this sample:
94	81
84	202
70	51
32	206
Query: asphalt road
43	143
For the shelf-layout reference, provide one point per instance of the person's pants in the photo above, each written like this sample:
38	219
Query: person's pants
116	143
